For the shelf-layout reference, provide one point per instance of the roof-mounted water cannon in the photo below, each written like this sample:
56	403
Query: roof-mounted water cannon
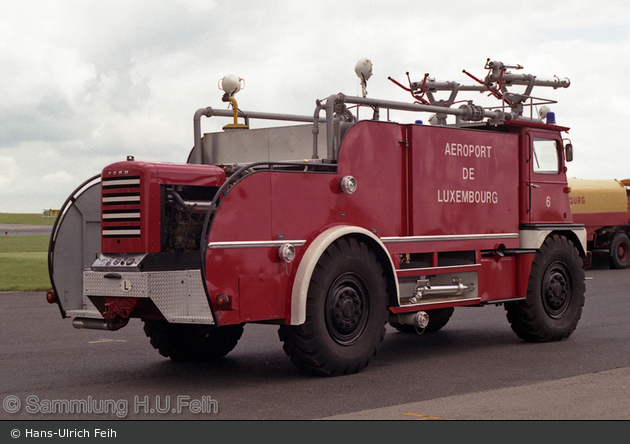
499	78
230	85
363	69
499	75
496	83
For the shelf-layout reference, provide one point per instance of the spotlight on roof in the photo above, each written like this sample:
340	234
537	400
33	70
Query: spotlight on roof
230	85
363	69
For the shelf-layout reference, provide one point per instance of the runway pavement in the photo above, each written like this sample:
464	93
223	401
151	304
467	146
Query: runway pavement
595	396
24	230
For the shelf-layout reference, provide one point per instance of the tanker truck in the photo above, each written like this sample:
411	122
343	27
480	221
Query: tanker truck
331	229
602	206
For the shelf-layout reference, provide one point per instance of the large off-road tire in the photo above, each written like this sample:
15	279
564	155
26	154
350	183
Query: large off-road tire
555	294
346	312
438	318
186	342
620	251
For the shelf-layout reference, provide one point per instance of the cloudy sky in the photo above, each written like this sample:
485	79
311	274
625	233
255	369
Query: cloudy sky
85	83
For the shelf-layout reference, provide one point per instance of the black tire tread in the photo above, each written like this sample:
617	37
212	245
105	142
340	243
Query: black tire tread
614	260
527	318
186	342
306	344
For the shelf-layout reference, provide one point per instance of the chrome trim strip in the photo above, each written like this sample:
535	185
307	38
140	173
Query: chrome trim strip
430	269
254	244
132	232
114	183
133	198
419	304
502	301
121	215
449	237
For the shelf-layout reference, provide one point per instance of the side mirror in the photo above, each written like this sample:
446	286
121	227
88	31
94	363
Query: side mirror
568	152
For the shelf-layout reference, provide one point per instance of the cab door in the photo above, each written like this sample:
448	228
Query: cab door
547	185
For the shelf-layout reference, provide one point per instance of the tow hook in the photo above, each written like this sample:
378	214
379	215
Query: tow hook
117	313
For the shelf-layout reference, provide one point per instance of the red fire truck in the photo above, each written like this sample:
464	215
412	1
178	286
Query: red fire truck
332	229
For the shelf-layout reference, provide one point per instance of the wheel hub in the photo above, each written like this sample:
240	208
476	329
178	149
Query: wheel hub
622	252
556	292
346	309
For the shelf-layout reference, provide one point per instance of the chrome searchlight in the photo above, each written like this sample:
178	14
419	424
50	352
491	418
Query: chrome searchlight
348	185
230	85
363	70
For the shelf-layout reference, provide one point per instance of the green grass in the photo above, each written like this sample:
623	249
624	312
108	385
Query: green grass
24	244
24	272
26	219
24	264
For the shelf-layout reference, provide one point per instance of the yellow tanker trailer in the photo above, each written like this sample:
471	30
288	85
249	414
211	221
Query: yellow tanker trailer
602	206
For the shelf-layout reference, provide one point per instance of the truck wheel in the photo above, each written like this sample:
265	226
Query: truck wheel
346	312
185	342
555	294
438	318
620	251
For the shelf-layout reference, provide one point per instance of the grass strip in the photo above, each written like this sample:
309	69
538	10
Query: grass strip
24	244
24	264
21	271
26	219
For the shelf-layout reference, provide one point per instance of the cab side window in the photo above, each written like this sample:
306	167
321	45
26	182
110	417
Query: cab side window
545	156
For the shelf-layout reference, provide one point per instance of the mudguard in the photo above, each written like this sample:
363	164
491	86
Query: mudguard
310	259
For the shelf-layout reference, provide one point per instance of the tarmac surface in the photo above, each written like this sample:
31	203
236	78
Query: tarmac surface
585	378
596	396
24	230
475	369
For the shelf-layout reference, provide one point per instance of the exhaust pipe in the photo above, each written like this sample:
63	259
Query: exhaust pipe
97	324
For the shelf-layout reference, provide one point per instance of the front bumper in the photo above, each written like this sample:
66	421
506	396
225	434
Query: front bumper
178	295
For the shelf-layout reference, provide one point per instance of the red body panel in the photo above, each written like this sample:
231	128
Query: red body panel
543	197
422	190
442	201
463	182
272	206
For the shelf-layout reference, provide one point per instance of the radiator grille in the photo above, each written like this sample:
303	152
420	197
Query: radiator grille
121	207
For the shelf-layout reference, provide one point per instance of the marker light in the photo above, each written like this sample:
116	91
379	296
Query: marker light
222	301
51	297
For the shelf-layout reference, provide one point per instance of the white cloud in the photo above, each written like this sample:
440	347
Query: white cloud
87	83
59	177
9	173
